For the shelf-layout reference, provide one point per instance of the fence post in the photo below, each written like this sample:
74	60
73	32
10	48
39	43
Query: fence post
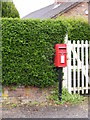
65	69
69	66
66	39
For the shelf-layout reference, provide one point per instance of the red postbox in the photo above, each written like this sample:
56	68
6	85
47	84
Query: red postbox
60	55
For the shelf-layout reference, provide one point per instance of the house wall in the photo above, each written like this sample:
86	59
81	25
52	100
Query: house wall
77	11
89	12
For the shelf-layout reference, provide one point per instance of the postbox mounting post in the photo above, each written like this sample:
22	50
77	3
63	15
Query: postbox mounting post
60	83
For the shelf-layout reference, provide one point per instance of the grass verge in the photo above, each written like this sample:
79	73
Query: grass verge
66	97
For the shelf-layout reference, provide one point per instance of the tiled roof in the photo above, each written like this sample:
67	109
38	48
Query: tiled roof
52	11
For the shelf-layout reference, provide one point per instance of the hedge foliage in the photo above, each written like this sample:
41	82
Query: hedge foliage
77	28
28	49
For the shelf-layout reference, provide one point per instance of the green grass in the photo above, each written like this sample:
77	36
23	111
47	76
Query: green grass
14	105
66	97
13	88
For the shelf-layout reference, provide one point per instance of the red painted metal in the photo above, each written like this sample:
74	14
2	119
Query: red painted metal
60	55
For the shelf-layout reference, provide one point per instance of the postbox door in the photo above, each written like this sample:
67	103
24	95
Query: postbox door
61	55
63	59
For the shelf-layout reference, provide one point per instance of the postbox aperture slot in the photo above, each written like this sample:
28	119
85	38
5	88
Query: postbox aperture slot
62	50
62	47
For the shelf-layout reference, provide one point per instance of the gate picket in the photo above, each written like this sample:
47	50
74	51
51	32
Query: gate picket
87	66
74	70
82	59
80	70
78	64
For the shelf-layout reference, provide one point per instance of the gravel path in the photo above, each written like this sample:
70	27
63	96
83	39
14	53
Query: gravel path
74	111
41	111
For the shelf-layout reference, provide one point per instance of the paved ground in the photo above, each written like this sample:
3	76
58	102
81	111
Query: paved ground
0	111
38	111
89	108
26	93
62	111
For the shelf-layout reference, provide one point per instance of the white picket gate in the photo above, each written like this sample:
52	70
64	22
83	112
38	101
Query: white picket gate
76	74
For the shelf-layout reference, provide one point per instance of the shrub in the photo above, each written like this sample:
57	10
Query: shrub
9	10
28	49
78	29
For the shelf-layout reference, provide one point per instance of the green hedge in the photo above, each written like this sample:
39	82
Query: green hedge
28	49
78	29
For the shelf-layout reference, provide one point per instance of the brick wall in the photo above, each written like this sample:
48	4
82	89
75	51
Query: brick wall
79	10
89	12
